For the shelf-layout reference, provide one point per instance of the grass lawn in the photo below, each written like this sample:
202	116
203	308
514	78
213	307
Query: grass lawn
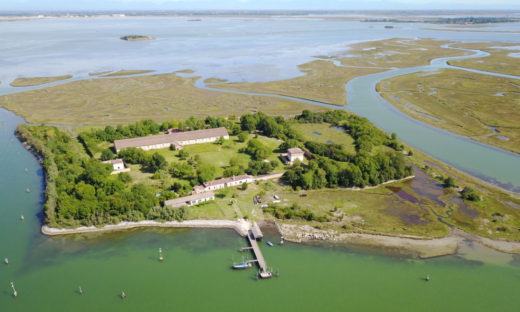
465	103
323	133
212	154
231	203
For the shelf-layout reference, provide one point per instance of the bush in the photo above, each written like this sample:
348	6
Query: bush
469	194
243	136
257	149
107	154
448	182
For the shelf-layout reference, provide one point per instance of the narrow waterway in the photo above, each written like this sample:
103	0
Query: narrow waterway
493	165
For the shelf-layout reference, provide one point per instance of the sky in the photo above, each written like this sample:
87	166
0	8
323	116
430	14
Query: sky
6	5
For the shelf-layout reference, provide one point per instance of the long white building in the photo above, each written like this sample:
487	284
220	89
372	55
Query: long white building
177	139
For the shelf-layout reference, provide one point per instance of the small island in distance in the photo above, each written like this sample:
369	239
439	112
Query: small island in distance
137	38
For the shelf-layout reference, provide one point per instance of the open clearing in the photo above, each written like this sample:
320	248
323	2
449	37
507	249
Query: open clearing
479	106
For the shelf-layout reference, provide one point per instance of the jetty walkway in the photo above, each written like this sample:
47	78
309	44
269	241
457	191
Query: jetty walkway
253	235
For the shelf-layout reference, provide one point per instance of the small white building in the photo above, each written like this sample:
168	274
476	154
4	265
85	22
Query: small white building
294	154
225	182
191	200
118	165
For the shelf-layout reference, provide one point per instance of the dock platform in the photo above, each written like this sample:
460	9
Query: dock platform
257	252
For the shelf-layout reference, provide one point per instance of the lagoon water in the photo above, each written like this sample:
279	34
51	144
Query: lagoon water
195	275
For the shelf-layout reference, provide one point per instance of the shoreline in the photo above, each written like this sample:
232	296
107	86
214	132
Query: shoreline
241	226
408	245
421	247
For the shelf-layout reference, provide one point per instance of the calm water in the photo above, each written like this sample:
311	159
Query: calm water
196	274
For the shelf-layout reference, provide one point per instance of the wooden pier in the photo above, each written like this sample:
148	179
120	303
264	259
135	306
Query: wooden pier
252	237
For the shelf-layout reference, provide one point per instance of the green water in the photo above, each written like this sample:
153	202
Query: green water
195	275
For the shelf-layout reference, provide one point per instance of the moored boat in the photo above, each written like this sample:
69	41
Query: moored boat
242	266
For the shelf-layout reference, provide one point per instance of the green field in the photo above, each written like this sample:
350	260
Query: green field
219	155
324	133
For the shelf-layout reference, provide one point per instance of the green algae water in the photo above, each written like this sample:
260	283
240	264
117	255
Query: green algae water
196	274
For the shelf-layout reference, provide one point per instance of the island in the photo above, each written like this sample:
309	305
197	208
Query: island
330	176
137	38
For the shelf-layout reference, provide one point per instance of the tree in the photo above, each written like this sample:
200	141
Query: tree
206	173
290	143
469	194
233	171
107	154
220	141
243	136
244	186
156	162
182	170
258	167
95	172
257	149
183	154
124	177
249	122
133	155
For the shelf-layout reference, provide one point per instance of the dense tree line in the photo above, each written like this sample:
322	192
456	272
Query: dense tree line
363	170
81	190
273	127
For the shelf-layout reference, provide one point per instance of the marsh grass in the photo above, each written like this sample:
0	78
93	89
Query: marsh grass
36	81
322	81
499	61
124	100
461	102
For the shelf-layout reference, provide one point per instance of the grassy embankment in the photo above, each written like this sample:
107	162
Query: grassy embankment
461	102
36	81
325	82
124	100
499	61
